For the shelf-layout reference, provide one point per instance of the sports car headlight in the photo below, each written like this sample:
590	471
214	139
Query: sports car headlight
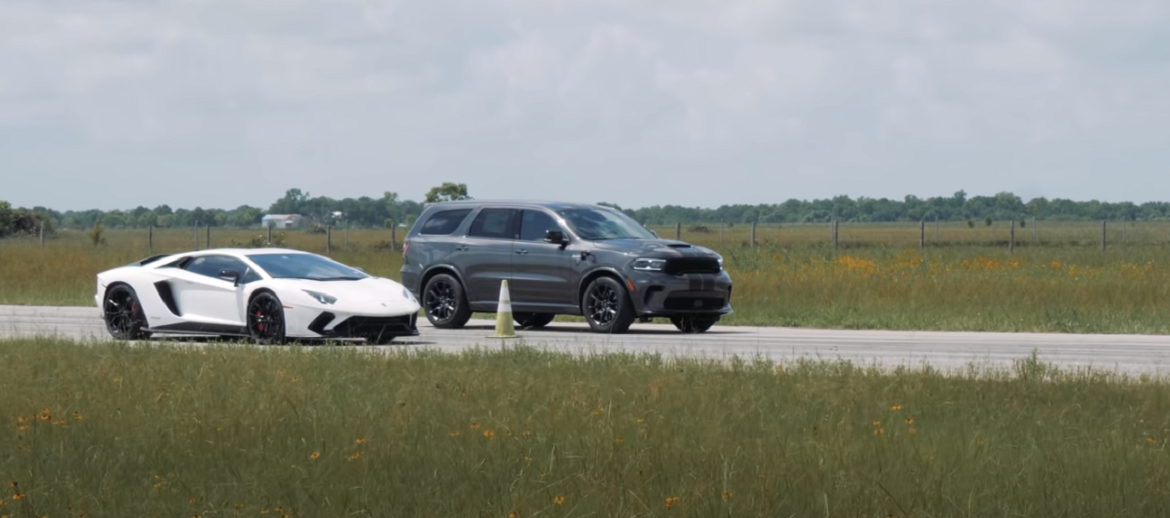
321	297
647	264
408	295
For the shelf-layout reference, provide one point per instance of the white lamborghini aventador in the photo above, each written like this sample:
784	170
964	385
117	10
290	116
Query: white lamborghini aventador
270	295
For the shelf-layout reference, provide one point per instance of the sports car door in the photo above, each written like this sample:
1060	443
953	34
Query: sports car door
203	296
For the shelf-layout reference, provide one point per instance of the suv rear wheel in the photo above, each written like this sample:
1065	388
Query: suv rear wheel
606	306
445	303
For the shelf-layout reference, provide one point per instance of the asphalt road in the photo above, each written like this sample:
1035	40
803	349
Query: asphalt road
1131	354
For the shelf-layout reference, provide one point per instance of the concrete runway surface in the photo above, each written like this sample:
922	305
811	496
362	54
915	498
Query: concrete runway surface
1130	354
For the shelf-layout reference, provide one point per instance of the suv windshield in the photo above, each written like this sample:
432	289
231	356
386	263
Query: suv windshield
305	266
599	224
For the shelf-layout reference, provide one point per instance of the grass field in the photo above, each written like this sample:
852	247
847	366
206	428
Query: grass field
231	430
965	279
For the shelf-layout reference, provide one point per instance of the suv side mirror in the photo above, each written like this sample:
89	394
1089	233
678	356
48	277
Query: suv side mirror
230	275
555	237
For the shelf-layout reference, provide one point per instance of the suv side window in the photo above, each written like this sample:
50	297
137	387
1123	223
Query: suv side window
494	223
534	223
444	222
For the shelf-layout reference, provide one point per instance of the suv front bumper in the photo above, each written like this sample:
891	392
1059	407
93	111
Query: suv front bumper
662	295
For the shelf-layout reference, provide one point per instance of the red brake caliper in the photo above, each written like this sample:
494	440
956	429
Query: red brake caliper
259	325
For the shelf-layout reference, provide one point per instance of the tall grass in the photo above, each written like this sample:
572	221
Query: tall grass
877	279
109	429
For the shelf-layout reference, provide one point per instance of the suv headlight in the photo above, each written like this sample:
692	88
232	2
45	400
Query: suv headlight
321	297
647	264
720	258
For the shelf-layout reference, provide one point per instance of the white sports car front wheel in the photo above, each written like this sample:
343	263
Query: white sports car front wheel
266	319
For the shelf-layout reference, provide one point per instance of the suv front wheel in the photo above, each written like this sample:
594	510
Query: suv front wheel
606	306
445	303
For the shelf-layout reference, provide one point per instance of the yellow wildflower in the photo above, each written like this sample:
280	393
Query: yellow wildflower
558	500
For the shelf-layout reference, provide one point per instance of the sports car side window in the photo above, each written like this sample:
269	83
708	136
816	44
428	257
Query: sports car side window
211	265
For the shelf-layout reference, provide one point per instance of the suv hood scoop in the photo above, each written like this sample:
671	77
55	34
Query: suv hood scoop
655	247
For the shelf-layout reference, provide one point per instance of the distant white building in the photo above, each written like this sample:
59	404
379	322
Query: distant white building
283	220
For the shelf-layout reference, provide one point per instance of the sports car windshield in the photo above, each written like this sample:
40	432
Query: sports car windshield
305	266
599	224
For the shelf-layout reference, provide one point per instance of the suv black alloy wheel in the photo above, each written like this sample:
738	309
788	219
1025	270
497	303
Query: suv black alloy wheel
445	303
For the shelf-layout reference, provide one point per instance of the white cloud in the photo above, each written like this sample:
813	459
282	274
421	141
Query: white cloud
639	102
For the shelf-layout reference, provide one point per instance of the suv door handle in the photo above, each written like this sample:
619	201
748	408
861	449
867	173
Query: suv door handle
462	248
522	251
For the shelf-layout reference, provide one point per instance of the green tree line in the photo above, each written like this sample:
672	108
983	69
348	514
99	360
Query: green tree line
367	211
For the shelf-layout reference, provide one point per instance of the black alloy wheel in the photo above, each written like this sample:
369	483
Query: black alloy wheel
123	314
445	303
693	324
606	306
266	319
532	320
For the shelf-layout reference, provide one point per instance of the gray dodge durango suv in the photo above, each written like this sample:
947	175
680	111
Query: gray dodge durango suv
558	258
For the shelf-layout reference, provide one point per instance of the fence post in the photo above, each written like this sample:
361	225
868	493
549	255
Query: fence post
1012	238
393	235
269	233
1103	235
207	242
720	232
753	233
150	239
1033	230
328	238
347	235
42	233
197	236
922	234
678	231
836	233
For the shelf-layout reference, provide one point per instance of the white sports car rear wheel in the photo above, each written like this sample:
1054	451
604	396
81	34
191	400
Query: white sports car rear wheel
123	314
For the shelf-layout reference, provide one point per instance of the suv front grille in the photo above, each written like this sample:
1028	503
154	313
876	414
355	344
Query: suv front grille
681	265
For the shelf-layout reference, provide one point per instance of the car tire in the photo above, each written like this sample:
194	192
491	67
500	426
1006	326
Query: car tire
123	314
693	324
266	323
607	307
533	320
445	302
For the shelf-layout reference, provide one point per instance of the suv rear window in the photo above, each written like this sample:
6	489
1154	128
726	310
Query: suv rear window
444	222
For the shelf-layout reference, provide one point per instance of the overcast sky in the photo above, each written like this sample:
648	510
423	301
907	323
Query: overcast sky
217	103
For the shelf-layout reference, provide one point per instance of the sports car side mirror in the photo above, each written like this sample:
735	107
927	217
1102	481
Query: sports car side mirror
230	275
